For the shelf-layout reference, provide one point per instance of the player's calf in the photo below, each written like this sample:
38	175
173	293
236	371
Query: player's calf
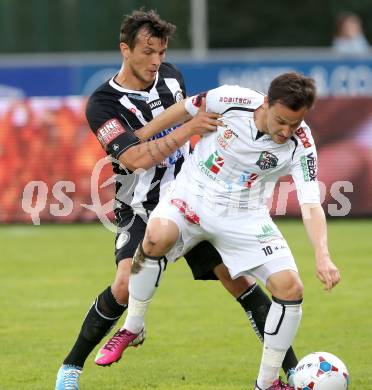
281	327
119	287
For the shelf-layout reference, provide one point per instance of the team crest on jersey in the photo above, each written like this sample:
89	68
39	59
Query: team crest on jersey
178	96
267	160
225	139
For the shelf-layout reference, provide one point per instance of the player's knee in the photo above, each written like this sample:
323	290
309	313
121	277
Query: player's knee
159	238
154	244
286	285
295	291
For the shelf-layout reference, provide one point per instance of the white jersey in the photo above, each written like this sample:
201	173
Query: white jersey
238	166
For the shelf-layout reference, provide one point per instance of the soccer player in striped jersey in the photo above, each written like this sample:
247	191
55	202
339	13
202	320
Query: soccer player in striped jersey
145	163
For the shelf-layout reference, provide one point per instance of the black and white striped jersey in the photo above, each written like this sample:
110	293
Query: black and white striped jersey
114	114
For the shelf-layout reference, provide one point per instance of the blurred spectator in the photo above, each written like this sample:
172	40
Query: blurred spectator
349	37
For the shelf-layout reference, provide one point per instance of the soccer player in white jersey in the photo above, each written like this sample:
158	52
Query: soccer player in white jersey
220	195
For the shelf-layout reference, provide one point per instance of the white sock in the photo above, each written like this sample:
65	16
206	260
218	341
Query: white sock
271	362
135	320
281	327
142	287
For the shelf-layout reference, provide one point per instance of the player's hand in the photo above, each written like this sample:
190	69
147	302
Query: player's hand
204	122
327	272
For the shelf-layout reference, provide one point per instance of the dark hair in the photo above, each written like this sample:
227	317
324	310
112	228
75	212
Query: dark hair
293	90
148	20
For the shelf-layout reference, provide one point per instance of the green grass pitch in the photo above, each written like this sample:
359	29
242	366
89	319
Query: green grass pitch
198	336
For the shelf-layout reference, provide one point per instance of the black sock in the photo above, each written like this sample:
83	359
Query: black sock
257	305
101	317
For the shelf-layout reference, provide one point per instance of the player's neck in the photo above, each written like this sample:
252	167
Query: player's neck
260	119
126	79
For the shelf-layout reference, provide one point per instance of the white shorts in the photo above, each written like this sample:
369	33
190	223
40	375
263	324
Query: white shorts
248	241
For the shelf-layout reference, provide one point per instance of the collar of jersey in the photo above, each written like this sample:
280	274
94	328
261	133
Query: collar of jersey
116	86
257	134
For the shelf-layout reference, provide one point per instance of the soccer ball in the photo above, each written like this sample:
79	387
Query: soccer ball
321	371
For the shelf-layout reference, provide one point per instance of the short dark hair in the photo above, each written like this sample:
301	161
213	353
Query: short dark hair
293	90
148	20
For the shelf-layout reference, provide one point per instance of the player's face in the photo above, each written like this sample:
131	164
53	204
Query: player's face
282	122
144	60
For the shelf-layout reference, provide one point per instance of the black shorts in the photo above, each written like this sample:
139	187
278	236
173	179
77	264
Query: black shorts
202	259
131	233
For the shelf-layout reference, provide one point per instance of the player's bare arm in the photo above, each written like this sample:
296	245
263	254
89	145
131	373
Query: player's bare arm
316	227
147	154
173	116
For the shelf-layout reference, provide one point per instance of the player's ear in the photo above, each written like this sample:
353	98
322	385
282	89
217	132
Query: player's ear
124	49
266	102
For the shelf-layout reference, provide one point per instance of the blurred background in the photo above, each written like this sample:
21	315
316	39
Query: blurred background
53	54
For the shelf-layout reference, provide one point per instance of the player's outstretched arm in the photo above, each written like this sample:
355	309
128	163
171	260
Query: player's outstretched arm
172	116
150	153
316	227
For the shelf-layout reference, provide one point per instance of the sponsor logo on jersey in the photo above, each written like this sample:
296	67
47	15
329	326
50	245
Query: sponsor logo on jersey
309	168
163	133
267	160
196	100
155	104
189	214
137	97
268	234
234	100
225	139
178	96
214	163
109	131
303	137
175	156
171	160
247	179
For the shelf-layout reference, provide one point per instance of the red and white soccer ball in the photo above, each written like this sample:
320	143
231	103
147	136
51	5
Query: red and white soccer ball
321	371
